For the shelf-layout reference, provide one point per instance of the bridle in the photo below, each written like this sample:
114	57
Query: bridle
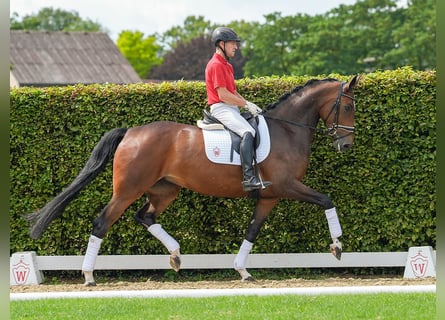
332	130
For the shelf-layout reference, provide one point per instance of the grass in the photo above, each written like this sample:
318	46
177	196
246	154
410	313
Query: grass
360	306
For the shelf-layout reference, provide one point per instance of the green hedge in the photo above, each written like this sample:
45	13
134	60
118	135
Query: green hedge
383	188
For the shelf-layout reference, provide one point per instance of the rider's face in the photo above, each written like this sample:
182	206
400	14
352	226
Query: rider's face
231	47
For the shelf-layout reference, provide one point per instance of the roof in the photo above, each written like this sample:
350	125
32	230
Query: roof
44	58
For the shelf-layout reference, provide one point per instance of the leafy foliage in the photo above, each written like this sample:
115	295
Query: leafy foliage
193	27
415	39
141	53
188	61
363	37
270	48
366	36
384	188
50	19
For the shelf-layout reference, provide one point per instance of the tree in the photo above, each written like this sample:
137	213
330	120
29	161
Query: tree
141	53
188	61
194	27
363	37
347	39
188	48
370	32
49	19
415	40
270	44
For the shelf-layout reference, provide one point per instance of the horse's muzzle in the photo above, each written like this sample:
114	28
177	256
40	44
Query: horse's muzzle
342	136
345	147
343	144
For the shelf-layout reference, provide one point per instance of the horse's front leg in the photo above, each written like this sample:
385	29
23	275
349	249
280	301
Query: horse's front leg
301	192
262	210
336	232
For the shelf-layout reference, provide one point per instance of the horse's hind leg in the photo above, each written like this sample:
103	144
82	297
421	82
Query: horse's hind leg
158	199
262	210
110	214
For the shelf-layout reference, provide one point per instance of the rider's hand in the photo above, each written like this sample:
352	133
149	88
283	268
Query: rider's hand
253	108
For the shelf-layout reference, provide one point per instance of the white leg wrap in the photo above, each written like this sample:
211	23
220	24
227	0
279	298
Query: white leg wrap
334	224
166	239
92	251
241	257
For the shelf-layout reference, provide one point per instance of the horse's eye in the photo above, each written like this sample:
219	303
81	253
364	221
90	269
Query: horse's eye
348	107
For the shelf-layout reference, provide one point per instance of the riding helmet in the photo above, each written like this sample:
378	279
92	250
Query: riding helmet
224	34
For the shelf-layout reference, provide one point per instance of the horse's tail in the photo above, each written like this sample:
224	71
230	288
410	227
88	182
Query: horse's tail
99	158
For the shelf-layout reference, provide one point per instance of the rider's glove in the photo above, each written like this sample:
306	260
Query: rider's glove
253	108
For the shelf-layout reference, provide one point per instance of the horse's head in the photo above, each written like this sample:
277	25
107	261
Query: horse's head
328	99
339	116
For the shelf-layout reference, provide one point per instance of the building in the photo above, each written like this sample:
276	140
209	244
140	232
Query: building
58	58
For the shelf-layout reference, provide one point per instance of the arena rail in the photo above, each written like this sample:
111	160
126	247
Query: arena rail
27	267
225	261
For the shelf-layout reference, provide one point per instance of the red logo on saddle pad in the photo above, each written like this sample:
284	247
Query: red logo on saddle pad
21	272
419	264
216	152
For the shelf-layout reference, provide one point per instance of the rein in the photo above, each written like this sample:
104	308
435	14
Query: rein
332	131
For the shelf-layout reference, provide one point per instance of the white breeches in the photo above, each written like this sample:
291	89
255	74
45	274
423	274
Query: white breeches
230	116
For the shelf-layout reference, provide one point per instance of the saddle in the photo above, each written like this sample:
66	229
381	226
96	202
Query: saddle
209	122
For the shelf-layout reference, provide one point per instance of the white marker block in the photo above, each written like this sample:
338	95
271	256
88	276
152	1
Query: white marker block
420	263
23	269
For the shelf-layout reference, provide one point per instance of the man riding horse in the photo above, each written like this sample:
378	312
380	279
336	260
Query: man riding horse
225	102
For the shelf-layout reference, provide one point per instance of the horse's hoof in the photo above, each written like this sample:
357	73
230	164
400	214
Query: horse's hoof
90	284
89	279
336	249
175	262
336	252
245	276
248	279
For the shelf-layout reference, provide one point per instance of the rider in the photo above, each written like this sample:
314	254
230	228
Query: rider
225	102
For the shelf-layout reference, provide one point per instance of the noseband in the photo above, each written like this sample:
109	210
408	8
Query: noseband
332	130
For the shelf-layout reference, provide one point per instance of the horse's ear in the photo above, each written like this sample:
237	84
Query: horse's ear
354	81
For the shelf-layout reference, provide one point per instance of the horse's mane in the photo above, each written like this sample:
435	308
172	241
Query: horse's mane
309	83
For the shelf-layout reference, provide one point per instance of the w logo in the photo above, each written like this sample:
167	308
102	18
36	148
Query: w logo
419	264
21	272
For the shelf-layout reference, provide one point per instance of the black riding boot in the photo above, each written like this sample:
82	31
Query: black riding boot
251	182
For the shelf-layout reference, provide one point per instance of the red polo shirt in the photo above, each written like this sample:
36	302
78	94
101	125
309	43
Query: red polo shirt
218	73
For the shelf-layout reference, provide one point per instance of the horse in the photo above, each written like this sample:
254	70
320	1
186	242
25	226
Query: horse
143	166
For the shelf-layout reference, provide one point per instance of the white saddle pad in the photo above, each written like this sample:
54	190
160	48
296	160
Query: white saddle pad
218	145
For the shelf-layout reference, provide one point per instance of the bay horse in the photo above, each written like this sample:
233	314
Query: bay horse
142	165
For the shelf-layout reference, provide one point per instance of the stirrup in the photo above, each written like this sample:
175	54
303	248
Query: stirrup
254	184
250	187
265	184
